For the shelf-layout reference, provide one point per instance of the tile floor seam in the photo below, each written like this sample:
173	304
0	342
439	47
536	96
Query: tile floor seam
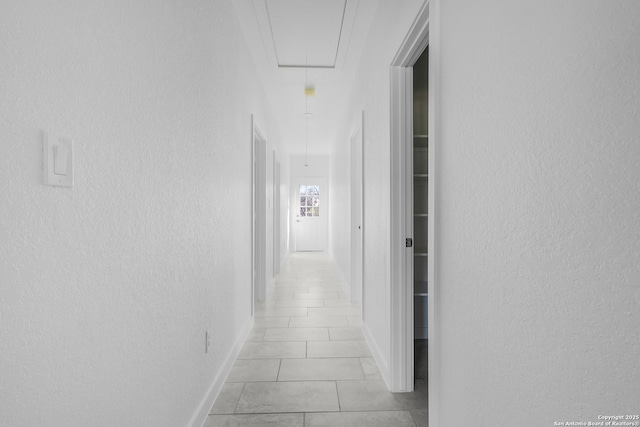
235	407
413	418
338	396
364	375
340	347
279	367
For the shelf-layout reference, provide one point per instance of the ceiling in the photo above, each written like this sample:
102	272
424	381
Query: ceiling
306	33
306	43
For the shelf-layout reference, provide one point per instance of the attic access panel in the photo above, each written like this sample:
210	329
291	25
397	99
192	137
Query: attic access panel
306	33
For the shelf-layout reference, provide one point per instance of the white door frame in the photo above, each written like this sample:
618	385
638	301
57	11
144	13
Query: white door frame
276	215
357	224
423	32
259	214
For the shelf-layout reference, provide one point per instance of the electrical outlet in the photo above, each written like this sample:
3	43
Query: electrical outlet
207	338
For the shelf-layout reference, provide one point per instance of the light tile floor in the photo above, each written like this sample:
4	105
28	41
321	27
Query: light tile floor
306	362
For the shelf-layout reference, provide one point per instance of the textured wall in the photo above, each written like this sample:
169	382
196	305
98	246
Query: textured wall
340	215
537	211
106	289
371	95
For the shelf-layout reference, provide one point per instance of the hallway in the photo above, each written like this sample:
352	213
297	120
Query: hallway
306	361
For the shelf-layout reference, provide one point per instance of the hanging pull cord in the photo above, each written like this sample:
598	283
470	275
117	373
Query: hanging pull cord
306	110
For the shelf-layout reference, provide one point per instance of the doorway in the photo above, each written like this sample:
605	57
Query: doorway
420	95
403	236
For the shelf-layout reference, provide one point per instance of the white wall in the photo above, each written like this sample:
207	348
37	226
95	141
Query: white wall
339	220
371	95
106	289
285	202
273	148
537	211
270	209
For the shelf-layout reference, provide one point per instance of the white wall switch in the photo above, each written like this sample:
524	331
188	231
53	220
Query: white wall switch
58	160
60	157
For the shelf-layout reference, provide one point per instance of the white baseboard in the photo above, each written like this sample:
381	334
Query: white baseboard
272	281
283	257
200	416
383	364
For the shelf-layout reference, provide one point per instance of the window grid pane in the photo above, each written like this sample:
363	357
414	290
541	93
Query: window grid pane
309	200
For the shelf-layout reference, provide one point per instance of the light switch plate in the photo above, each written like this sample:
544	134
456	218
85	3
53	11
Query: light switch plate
57	172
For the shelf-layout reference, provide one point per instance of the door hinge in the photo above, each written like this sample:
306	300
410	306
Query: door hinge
409	242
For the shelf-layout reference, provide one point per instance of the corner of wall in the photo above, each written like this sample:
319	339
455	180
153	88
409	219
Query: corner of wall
204	408
383	363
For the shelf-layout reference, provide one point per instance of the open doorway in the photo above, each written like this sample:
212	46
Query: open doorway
412	219
420	93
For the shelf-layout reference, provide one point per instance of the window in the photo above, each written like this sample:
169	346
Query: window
309	200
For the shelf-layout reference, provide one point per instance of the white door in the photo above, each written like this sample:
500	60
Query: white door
356	217
310	215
